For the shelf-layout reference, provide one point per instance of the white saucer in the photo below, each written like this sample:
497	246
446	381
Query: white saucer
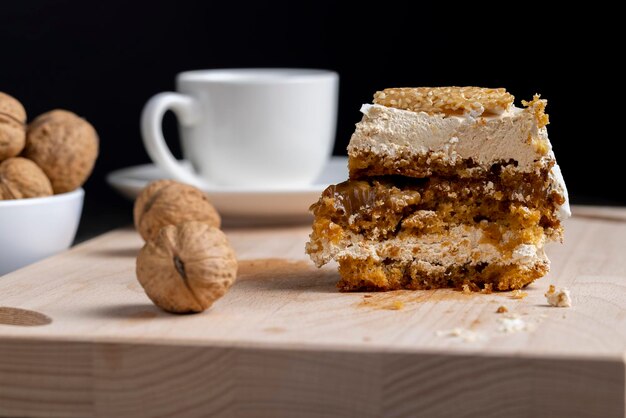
268	205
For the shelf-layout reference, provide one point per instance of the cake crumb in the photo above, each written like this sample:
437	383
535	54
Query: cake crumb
502	309
466	289
462	334
559	299
511	324
487	289
367	296
395	306
518	294
539	109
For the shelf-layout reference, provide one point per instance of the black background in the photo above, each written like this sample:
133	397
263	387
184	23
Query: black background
103	60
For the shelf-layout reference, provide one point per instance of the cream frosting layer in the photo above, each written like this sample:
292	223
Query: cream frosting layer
486	140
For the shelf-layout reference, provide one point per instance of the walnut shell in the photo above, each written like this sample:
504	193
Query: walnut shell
21	178
65	146
167	202
187	267
12	127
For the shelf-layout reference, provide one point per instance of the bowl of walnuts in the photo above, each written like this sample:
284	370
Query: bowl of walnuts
43	165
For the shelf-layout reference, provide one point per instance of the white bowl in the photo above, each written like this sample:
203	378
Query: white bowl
32	229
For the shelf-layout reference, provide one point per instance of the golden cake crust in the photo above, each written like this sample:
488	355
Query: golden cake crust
374	275
447	100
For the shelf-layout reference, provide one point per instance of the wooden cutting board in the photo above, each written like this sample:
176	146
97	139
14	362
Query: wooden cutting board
285	343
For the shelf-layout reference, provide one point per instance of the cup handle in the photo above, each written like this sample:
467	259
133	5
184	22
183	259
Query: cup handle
187	111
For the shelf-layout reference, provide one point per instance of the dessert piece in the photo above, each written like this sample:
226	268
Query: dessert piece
448	187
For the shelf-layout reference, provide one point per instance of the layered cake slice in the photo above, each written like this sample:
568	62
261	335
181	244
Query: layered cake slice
449	187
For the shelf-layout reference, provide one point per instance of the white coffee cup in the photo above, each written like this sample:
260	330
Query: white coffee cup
258	128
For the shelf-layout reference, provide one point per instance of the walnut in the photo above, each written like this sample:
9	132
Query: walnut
167	202
12	127
187	267
21	178
65	146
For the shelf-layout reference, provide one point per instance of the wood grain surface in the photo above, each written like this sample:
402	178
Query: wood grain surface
79	338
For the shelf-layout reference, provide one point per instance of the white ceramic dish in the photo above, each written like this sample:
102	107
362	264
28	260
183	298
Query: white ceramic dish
32	229
246	205
238	125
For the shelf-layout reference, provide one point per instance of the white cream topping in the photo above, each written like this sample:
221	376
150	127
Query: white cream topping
486	140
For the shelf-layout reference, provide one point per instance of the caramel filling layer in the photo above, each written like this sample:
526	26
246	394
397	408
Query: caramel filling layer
387	206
